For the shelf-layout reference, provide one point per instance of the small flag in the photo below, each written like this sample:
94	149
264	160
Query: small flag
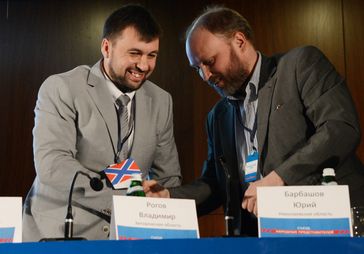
119	174
7	235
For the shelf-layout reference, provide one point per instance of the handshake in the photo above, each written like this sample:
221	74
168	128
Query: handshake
155	190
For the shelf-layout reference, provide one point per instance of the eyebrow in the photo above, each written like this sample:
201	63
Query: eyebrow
139	50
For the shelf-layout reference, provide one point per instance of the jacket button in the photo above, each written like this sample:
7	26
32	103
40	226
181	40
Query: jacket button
105	229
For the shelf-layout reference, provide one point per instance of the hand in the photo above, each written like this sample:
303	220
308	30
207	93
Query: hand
250	195
153	189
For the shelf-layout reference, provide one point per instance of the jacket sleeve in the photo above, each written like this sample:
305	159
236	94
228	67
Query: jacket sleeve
166	168
55	135
203	190
330	110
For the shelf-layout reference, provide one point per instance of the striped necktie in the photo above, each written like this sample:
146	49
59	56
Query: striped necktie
122	102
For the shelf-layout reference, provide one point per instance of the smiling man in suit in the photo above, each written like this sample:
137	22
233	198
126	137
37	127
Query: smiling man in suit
281	120
78	128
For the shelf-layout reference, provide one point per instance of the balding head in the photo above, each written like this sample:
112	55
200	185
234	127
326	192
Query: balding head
222	21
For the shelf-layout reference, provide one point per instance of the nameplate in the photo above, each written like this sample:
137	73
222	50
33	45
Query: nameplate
304	211
10	219
153	218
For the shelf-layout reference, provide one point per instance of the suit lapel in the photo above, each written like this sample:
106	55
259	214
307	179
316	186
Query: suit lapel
266	88
103	101
143	106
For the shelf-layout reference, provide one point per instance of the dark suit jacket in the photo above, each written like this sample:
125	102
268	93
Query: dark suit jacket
306	121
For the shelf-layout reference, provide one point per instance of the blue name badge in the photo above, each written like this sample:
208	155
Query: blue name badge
251	167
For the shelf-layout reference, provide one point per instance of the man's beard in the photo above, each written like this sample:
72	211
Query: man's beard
122	83
235	78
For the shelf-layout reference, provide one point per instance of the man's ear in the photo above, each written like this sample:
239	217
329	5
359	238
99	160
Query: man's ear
239	39
105	48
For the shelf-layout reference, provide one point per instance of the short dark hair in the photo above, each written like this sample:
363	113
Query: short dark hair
135	16
221	20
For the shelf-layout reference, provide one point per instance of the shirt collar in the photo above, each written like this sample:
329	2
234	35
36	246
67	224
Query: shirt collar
256	74
114	91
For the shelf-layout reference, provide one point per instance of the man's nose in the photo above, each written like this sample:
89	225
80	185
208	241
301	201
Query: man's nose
205	73
142	63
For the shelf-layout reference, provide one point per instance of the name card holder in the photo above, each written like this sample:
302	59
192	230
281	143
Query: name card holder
153	218
304	211
10	219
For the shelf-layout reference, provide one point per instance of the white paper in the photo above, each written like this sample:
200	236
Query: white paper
304	211
153	218
10	219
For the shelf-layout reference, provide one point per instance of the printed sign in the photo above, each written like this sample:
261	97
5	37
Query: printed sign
304	211
10	219
153	218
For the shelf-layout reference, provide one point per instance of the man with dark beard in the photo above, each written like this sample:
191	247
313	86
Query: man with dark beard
281	120
78	128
